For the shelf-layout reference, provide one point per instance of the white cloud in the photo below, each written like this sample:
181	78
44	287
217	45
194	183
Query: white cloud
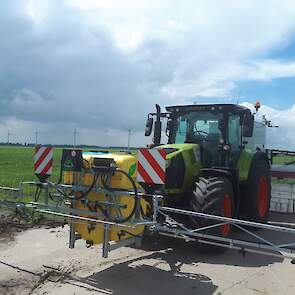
103	64
213	45
271	69
283	136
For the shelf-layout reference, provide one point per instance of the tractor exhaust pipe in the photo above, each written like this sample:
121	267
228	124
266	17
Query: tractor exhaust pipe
158	126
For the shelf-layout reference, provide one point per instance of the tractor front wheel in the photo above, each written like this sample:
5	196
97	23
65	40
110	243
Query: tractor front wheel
213	196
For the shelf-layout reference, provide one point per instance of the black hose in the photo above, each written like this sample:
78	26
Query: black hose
119	189
85	194
37	193
136	197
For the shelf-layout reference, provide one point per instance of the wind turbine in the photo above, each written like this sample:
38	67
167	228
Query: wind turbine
8	136
75	133
37	133
129	138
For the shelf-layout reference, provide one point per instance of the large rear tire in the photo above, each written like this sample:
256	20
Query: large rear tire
213	196
257	193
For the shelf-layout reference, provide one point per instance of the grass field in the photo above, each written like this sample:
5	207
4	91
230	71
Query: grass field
284	160
17	165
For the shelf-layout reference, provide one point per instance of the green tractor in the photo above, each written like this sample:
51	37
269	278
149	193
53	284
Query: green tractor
216	161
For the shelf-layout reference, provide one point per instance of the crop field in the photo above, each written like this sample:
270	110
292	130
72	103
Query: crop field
17	165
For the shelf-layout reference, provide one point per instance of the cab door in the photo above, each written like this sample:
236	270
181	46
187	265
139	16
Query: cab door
234	139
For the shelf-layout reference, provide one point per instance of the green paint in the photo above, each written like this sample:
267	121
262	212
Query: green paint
132	169
68	165
192	168
244	164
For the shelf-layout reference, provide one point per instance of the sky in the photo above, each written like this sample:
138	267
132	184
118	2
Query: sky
100	66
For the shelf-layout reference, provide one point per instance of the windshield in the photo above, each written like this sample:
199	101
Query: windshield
195	127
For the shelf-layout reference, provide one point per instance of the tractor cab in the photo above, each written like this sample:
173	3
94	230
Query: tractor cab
219	130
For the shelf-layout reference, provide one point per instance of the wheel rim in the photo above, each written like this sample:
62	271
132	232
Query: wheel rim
227	212
262	197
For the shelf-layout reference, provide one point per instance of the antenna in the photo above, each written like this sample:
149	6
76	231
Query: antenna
238	96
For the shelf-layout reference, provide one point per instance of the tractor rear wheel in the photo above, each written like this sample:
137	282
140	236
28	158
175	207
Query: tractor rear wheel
213	196
256	194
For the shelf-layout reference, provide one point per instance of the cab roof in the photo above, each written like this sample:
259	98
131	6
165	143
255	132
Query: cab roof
207	107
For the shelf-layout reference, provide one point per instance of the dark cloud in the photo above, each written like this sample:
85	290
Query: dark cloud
60	71
64	72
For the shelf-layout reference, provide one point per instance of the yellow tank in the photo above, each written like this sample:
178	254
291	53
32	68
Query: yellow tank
93	231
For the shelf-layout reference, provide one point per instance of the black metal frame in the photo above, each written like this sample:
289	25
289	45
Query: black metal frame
276	152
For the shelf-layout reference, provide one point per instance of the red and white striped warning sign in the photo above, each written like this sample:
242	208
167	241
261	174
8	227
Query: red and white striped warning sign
151	166
43	160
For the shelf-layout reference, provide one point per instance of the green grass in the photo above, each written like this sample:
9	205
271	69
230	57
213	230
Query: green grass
283	160
16	165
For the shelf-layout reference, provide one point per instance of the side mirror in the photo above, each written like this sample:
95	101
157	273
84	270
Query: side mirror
248	125
149	126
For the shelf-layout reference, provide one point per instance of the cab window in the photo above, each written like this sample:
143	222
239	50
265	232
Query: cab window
234	131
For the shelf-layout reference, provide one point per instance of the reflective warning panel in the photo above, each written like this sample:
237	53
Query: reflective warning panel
151	166
43	160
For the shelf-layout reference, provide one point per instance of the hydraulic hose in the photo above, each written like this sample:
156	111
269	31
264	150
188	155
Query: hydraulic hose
37	193
136	197
85	194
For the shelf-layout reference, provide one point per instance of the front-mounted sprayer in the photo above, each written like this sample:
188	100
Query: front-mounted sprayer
98	193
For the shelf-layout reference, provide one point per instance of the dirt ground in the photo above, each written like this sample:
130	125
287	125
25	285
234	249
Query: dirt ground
38	261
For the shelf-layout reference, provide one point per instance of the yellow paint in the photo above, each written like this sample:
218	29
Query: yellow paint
92	231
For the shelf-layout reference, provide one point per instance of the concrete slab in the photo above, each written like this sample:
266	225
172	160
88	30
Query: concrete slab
39	262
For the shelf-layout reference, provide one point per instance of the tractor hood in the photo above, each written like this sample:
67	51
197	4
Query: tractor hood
182	167
174	149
